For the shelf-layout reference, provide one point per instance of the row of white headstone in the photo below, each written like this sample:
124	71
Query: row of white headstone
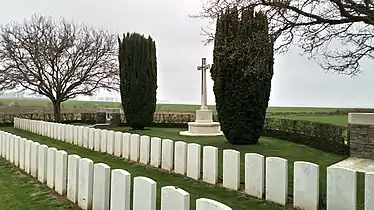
93	186
263	175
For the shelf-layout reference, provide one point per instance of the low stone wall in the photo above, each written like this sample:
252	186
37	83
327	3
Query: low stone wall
270	173
361	135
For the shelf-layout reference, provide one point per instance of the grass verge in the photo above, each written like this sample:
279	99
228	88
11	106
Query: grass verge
20	191
234	199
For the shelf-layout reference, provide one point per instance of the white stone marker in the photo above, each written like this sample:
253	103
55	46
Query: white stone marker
103	140
61	172
28	155
73	178
51	167
254	174
101	187
180	157
167	159
118	144
210	164
276	183
11	149
144	197
71	134
205	204
22	144
16	150
85	136
155	152
341	189
34	159
193	161
135	147
110	142
369	190
126	145
120	189
174	198
145	147
80	136
97	140
85	183
231	169
42	163
91	138
7	146
76	134
306	185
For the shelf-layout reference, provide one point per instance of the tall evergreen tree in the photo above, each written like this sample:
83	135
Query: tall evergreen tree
138	77
242	72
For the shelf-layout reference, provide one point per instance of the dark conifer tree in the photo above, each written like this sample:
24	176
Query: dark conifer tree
242	73
138	74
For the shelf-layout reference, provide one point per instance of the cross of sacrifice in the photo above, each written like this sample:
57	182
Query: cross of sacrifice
203	69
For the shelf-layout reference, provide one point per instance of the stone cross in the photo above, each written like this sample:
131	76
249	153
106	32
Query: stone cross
203	69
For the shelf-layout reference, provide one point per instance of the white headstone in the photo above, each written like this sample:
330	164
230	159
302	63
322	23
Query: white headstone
210	164
341	189
306	185
76	134
110	142
156	152
118	144
193	161
91	138
73	178
254	174
51	167
7	147
135	147
85	136
97	143
22	151
11	149
174	198
180	157
145	147
144	197
120	190
231	169
61	172
85	183
167	158
276	183
103	141
208	204
101	187
34	159
42	163
28	156
369	190
126	145
16	150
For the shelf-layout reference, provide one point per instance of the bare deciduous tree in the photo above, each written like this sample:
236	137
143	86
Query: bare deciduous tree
338	34
57	59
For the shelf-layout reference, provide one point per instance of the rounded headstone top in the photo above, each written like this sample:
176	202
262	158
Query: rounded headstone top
361	118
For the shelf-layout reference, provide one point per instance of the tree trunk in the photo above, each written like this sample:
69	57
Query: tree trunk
57	111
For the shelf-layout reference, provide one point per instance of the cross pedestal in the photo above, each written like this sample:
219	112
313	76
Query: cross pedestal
203	125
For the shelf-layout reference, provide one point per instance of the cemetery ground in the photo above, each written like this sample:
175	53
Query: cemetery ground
20	191
267	147
197	189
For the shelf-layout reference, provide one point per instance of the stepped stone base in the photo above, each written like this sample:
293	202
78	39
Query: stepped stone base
204	125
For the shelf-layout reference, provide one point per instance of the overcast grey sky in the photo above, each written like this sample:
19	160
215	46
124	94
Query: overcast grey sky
297	81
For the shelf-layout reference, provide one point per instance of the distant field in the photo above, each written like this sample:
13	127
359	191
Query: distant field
160	107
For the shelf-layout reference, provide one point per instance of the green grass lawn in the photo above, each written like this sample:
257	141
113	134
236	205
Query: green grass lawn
234	199
22	192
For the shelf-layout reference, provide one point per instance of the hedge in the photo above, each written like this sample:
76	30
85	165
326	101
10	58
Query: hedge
327	137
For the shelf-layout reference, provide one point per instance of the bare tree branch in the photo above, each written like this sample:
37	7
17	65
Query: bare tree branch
338	34
57	59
